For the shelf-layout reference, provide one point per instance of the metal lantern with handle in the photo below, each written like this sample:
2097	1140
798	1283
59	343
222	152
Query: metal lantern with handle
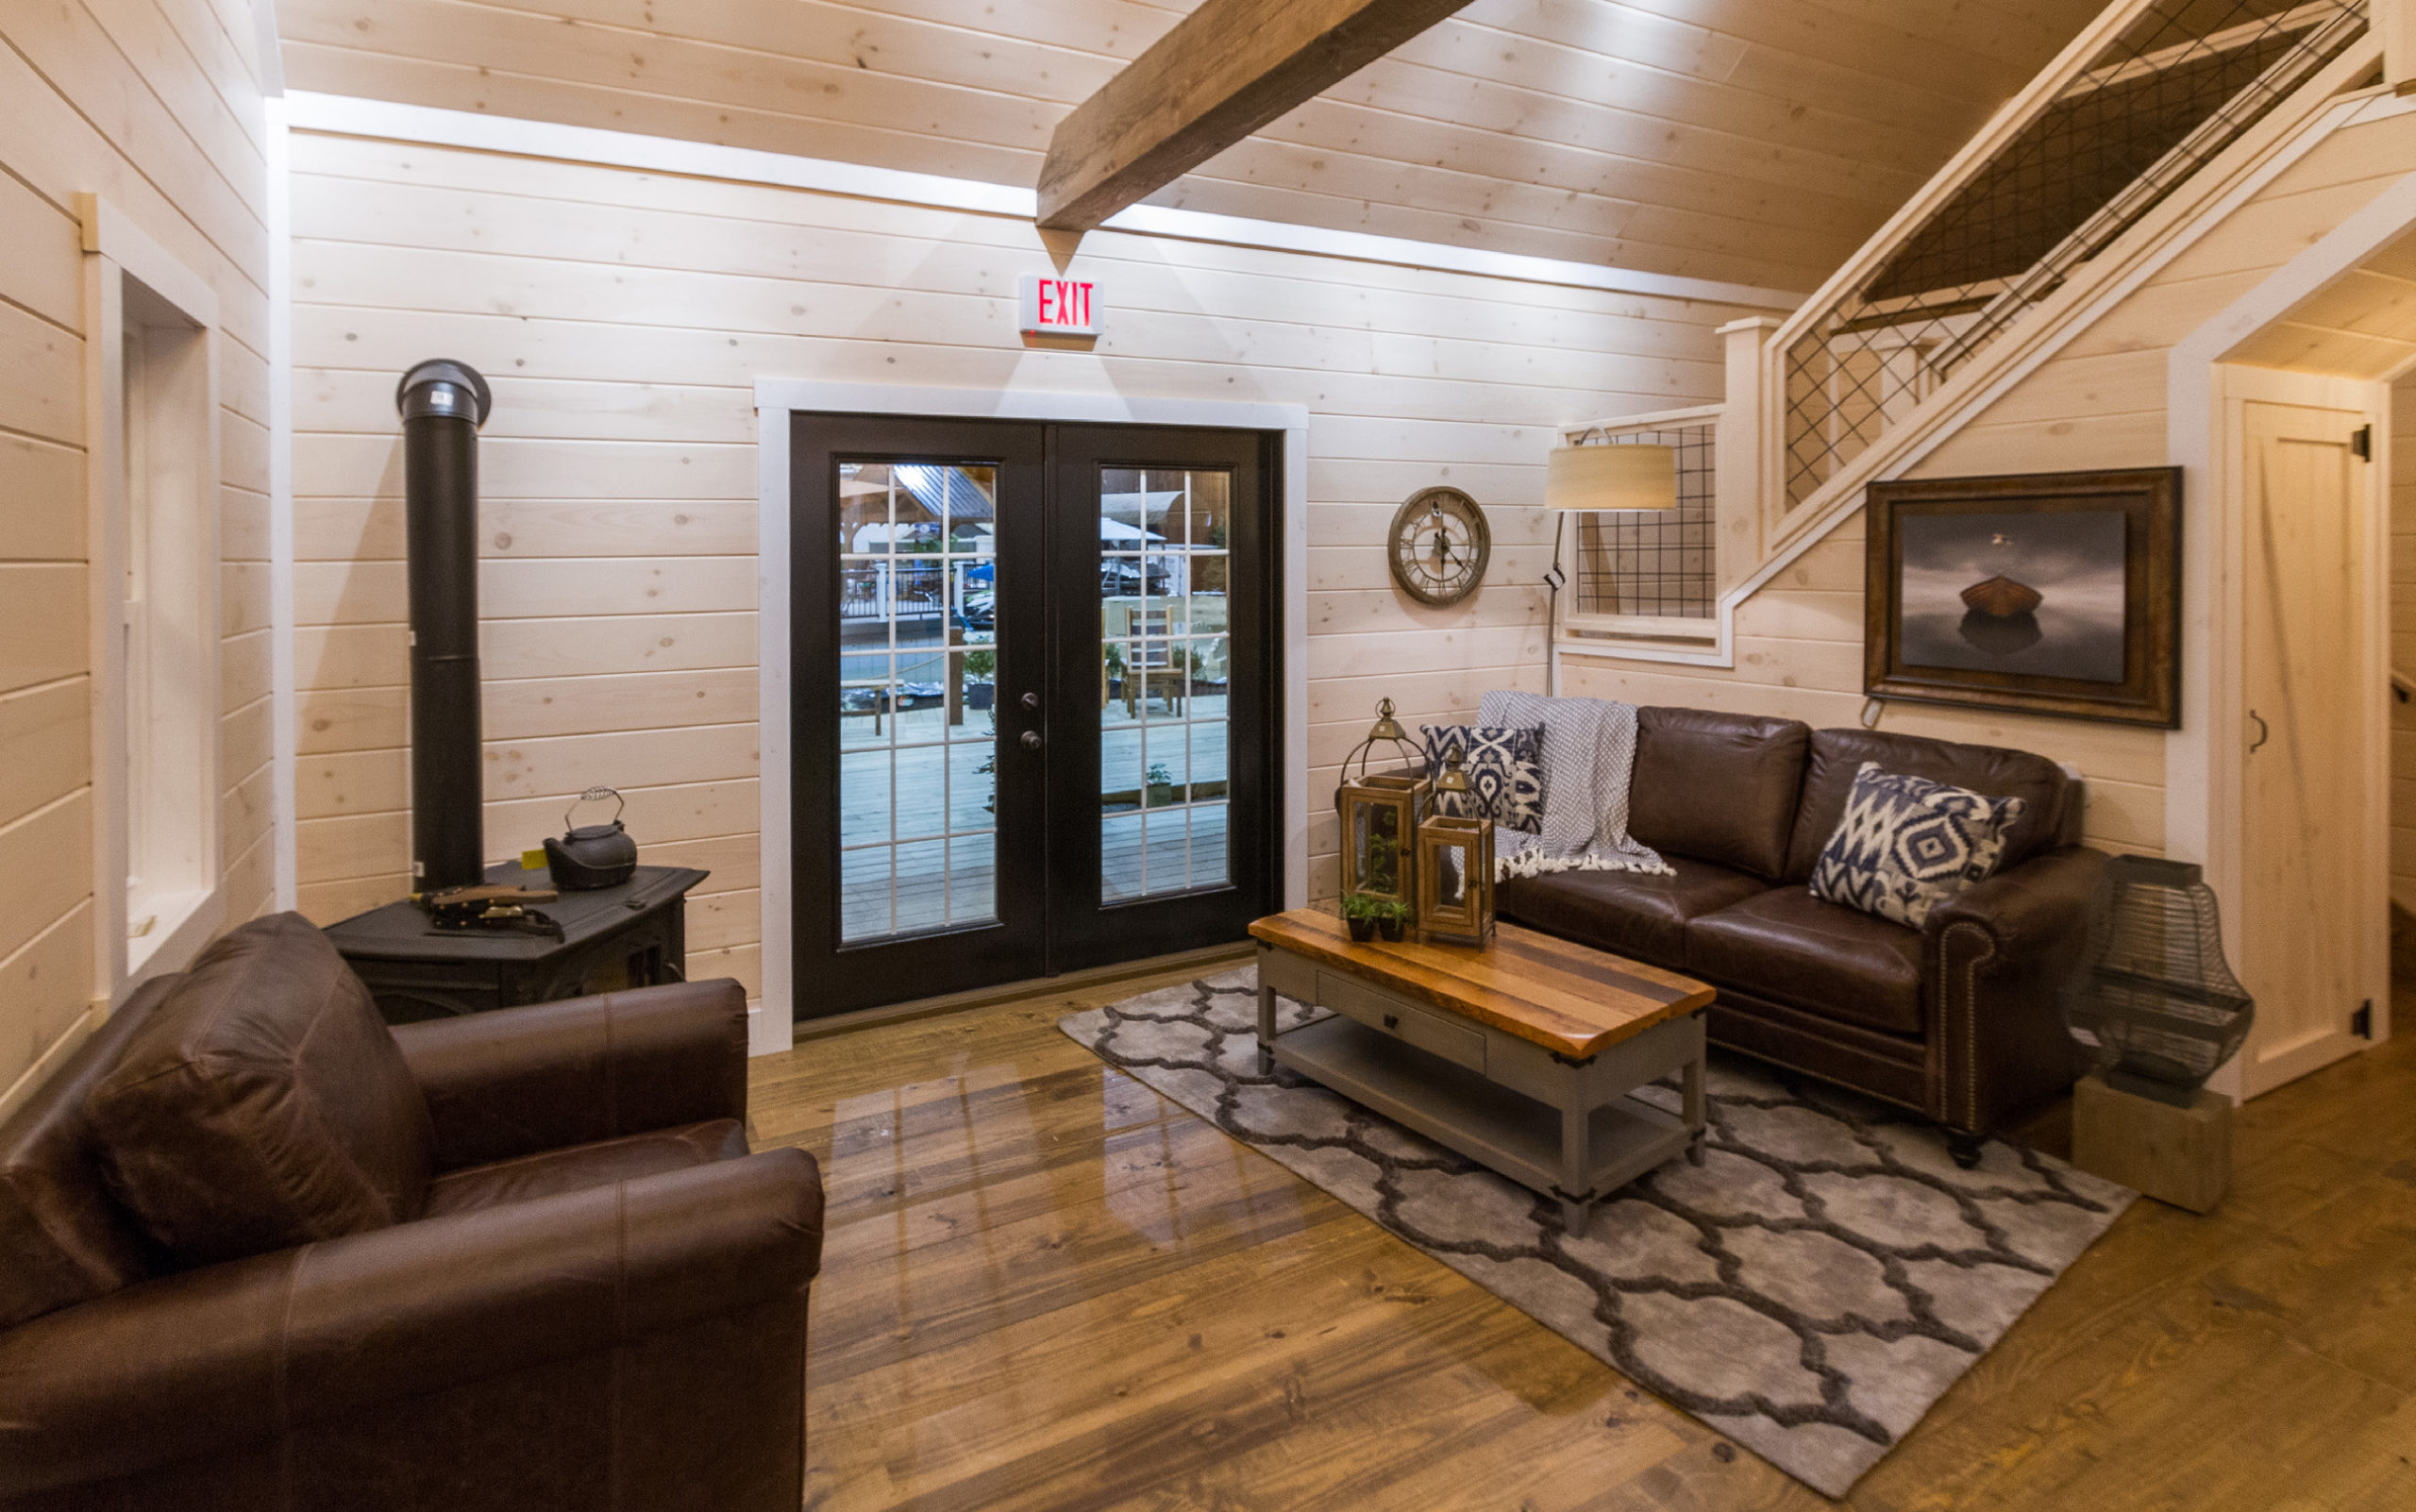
1380	811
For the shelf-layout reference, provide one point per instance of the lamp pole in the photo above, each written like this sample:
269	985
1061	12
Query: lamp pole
1552	579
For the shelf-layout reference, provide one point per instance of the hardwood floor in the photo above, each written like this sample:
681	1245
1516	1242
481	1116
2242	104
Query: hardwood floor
1044	1287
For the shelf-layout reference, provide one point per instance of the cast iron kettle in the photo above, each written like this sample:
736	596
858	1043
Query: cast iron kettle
593	855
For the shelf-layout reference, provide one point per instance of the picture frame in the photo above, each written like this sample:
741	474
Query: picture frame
2053	594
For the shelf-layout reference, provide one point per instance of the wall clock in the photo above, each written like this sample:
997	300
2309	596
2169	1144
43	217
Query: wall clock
1439	546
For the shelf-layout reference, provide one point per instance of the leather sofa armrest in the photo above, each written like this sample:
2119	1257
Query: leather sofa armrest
2041	904
522	1080
207	1360
1995	960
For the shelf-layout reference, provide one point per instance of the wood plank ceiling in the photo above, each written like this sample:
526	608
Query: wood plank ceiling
1755	140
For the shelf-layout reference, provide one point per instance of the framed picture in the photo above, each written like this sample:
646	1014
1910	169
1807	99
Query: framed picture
2046	592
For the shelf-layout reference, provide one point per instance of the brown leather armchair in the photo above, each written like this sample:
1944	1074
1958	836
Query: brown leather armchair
596	1298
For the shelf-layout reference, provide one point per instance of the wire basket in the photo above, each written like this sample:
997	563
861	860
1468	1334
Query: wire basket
2154	1001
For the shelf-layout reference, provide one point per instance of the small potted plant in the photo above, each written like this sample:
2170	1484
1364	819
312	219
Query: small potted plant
1161	785
1391	919
1359	911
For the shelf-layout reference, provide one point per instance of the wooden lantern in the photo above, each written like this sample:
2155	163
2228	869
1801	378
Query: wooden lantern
1455	881
1380	819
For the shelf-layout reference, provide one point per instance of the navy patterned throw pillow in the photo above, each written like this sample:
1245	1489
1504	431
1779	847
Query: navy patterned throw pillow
1906	845
1505	769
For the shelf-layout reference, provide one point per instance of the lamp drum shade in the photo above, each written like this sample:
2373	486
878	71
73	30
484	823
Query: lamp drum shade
1613	477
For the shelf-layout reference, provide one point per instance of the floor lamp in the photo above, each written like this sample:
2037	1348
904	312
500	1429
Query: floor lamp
1617	476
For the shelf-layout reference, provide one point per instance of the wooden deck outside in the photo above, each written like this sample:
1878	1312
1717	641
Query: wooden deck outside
946	869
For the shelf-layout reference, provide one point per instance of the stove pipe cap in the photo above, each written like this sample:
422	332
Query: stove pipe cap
443	387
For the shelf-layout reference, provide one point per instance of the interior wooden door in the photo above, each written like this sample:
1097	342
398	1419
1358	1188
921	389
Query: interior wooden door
2313	800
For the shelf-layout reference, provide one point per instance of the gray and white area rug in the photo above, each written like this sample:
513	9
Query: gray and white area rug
1809	1291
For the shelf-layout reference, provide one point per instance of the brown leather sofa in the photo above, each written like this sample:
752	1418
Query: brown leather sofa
1959	1021
258	1251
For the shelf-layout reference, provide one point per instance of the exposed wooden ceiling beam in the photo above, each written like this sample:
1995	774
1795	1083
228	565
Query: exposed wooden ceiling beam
1224	71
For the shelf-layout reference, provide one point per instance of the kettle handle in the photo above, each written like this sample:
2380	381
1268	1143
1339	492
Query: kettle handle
595	795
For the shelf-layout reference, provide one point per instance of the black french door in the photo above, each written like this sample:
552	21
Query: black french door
1033	702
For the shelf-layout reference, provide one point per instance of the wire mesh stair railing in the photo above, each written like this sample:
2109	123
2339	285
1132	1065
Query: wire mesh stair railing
2176	83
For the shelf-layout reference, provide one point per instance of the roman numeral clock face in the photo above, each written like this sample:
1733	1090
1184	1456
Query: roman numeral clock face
1439	546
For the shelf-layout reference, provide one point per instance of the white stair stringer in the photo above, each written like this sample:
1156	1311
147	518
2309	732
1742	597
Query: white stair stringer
2295	128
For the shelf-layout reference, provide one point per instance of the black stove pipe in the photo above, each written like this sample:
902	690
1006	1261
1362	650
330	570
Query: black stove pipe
443	405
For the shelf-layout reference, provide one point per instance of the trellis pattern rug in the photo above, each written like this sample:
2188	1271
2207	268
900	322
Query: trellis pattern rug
1809	1291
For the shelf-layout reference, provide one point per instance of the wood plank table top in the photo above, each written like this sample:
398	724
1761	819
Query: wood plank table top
1563	996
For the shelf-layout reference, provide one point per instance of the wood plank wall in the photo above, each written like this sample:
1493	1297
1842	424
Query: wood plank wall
2098	403
1755	140
623	318
152	104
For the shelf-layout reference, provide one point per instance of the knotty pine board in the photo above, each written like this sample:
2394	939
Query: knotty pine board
153	107
47	732
1697	128
39	1012
646	427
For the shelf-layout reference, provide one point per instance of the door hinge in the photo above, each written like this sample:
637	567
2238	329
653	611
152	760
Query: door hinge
2361	442
2361	1023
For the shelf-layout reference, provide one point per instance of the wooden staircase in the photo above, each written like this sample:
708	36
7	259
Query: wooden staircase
1958	296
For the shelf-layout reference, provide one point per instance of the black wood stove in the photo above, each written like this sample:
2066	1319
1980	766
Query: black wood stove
632	935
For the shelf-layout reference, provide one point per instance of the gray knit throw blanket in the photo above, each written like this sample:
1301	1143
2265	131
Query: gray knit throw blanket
1588	757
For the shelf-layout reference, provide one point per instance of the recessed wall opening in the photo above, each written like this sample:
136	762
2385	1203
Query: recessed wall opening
153	539
167	636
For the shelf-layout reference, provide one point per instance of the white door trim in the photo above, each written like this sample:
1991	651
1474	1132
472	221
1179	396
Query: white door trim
2203	791
775	399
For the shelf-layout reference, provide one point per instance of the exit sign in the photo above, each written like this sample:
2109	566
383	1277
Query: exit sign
1058	307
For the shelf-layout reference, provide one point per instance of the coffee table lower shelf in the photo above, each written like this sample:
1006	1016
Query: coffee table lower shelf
1500	1129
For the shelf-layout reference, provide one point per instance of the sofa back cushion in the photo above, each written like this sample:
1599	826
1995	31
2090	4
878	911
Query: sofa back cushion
63	1238
1717	786
2045	792
265	1105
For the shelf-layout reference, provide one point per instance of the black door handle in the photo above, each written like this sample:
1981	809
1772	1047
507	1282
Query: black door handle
2264	734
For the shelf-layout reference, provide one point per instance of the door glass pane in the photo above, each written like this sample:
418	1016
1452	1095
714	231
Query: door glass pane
918	681
1163	654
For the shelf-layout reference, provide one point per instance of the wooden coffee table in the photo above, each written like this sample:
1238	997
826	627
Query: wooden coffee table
1520	1056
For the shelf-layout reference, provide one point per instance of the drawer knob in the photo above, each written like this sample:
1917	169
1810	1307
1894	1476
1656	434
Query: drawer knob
1392	1020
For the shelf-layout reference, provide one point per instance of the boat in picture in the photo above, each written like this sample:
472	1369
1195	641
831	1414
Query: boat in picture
2002	598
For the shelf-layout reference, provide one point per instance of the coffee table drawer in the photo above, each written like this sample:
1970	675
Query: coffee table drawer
1432	1033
